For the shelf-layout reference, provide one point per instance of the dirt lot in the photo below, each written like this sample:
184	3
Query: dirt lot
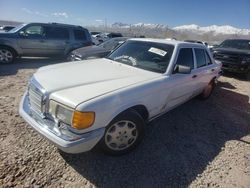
199	144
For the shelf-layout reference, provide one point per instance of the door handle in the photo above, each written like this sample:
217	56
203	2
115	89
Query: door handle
194	76
42	40
66	42
212	70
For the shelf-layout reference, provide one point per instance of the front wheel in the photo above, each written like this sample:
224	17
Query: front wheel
6	55
123	134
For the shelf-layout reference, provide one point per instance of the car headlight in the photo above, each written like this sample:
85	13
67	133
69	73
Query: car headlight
64	114
74	118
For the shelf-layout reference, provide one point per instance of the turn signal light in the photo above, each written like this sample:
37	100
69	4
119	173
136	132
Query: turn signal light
83	120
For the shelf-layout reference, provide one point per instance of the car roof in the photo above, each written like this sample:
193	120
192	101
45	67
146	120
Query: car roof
57	24
239	39
173	42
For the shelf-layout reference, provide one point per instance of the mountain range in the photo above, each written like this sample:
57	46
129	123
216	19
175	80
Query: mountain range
213	29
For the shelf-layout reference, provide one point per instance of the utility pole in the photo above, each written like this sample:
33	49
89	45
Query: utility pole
106	24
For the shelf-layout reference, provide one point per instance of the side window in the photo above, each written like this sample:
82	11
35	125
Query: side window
110	45
185	57
34	31
200	57
57	33
79	34
208	59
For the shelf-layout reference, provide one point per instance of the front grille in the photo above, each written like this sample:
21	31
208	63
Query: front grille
35	99
227	58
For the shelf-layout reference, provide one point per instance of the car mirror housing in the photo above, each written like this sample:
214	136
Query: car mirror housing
22	33
182	69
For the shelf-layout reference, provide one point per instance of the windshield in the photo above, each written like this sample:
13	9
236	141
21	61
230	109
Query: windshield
150	56
16	28
238	44
112	43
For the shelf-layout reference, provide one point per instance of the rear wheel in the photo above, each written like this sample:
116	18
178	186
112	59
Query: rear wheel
123	134
7	55
208	90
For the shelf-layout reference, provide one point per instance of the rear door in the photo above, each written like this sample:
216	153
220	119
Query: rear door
32	40
203	69
57	39
82	38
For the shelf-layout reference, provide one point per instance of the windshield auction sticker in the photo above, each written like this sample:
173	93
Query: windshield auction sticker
157	51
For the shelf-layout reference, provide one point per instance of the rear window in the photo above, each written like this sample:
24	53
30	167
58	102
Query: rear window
79	34
200	57
57	33
208	59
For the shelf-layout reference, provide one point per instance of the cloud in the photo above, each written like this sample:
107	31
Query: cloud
60	14
99	20
41	14
27	11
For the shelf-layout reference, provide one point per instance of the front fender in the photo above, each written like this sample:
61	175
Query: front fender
9	43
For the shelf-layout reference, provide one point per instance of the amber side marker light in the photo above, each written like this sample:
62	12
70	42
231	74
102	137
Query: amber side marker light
83	120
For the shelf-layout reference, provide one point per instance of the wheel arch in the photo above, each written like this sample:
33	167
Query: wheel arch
139	108
9	47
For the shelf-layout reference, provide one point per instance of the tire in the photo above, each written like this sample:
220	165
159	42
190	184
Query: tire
123	134
206	93
7	55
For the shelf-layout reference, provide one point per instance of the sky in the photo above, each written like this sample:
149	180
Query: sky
92	13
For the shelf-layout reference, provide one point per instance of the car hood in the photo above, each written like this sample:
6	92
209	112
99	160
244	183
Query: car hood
232	51
6	35
73	83
89	50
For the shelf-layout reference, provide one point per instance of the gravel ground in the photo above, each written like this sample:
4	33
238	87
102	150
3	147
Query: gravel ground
199	144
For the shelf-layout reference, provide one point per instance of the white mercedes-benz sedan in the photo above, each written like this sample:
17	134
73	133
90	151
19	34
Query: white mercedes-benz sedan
107	102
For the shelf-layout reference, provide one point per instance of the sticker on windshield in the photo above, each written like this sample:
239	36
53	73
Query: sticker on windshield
157	51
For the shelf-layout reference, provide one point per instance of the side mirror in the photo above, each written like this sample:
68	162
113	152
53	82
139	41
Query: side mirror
182	69
22	33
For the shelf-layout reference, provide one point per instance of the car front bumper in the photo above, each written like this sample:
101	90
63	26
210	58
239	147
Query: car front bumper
77	143
234	68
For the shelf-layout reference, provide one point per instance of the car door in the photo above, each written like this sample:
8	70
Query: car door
81	38
57	39
181	85
204	69
32	41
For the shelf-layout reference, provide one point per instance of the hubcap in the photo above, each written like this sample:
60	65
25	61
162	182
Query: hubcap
5	56
121	135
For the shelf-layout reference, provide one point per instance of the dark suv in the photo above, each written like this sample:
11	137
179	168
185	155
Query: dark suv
42	40
234	55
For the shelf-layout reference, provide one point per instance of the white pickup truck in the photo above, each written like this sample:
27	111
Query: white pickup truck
107	102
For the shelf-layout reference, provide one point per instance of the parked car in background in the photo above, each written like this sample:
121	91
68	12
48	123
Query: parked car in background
95	41
114	35
94	51
93	33
42	40
234	55
108	101
7	28
197	41
106	36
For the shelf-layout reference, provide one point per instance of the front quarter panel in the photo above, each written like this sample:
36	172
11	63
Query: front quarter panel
107	107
